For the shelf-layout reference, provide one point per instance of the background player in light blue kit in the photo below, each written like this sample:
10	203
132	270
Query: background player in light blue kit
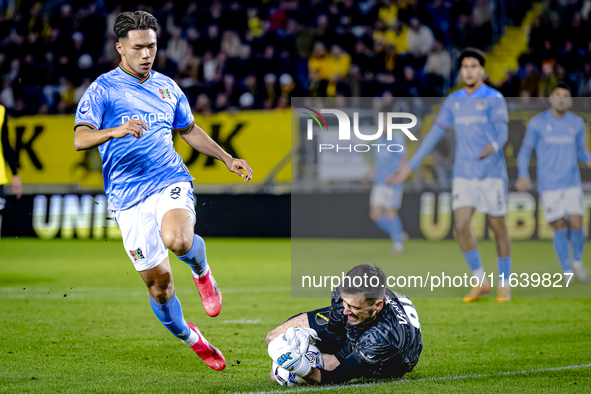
129	114
479	116
558	136
385	199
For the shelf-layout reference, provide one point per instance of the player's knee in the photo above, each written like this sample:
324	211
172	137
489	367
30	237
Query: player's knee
162	295
179	243
161	290
462	227
500	229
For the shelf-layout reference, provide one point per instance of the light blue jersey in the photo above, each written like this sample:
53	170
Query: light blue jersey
558	142
134	168
387	162
477	119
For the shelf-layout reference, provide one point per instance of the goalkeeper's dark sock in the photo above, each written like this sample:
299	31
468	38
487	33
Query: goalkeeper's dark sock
196	258
171	315
562	249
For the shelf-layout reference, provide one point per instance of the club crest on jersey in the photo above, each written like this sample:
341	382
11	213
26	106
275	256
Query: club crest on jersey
548	128
165	94
571	128
128	97
480	105
137	254
85	107
321	320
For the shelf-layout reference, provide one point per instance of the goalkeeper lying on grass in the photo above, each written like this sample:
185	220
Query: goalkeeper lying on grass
369	332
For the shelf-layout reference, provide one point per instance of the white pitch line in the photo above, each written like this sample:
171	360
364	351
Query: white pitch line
457	377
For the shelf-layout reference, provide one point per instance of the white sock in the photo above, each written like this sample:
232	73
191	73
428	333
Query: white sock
193	339
577	263
202	275
479	273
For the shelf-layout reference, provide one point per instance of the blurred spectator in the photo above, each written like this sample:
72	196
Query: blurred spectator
570	60
584	86
420	41
462	36
409	86
437	68
231	44
7	94
246	101
529	84
440	12
189	69
277	49
177	46
548	79
319	63
388	12
270	93
482	17
202	105
340	62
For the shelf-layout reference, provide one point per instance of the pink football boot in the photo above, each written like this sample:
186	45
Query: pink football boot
212	357
211	296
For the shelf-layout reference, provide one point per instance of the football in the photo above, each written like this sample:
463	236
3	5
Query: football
286	378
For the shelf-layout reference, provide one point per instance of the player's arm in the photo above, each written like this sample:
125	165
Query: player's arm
390	180
582	152
11	159
429	142
500	119
356	365
444	121
201	142
87	137
348	369
529	143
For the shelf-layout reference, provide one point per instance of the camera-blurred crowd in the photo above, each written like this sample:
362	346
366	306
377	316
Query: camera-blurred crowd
258	54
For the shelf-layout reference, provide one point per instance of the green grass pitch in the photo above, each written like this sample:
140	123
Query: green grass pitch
75	318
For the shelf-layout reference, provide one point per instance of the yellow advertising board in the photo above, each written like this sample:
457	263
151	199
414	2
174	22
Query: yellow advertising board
44	145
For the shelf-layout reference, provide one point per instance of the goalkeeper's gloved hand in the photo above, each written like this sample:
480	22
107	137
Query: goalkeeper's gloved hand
285	351
304	337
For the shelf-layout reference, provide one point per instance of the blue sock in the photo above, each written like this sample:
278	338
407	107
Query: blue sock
382	223
562	249
504	264
171	315
396	229
196	258
474	261
577	239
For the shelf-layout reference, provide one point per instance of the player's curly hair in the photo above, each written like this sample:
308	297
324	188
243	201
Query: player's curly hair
136	20
365	279
472	52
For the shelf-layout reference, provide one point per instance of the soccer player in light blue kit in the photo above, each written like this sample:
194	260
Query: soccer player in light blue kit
480	117
129	114
558	136
385	199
